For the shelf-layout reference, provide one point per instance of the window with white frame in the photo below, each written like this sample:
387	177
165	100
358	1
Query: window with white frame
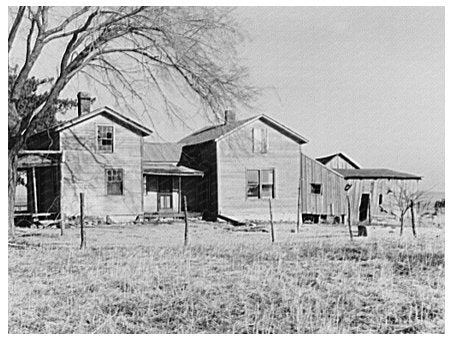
105	138
114	179
261	183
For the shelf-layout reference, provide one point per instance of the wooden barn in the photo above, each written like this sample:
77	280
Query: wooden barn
98	153
323	195
245	163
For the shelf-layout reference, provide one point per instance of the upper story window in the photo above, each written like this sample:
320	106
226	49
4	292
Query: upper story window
260	140
316	188
105	138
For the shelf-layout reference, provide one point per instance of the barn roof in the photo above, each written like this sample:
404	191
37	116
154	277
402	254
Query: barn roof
375	173
111	114
216	132
327	159
162	152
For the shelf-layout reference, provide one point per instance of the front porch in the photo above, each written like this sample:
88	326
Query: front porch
38	187
166	185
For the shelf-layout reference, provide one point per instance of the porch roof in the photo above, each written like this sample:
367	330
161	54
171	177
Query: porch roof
170	170
34	158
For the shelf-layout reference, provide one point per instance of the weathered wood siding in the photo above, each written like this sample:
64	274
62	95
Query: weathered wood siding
235	155
331	201
201	193
376	187
339	163
83	170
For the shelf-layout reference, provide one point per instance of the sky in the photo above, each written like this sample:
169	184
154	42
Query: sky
365	81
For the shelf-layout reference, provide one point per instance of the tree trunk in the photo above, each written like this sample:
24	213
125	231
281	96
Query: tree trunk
12	179
401	225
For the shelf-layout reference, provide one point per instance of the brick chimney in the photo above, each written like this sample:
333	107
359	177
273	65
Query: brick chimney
83	103
230	116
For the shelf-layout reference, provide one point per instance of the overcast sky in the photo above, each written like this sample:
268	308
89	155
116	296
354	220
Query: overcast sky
365	81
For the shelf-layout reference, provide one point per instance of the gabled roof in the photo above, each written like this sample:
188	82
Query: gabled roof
327	159
162	152
375	173
217	132
111	114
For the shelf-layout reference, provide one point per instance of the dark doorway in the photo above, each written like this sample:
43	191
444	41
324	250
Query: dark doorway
363	208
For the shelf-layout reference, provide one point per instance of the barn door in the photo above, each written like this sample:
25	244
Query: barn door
364	207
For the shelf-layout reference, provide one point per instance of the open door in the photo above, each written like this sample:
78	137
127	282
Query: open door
364	207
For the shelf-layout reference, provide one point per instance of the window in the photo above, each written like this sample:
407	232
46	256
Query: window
261	183
105	138
260	140
380	199
114	178
316	188
253	183
267	183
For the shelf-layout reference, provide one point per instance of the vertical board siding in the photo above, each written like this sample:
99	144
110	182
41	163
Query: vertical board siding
332	194
375	187
83	170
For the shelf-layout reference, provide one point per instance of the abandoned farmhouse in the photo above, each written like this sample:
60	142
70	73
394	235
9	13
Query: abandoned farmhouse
227	171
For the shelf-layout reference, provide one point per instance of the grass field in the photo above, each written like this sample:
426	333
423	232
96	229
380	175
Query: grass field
140	279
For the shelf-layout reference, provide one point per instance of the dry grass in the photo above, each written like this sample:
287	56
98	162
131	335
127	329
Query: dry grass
139	279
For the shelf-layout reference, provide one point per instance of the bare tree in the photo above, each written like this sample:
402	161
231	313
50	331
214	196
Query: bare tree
131	52
403	199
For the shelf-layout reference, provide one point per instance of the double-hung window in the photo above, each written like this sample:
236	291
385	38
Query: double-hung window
261	183
105	138
114	179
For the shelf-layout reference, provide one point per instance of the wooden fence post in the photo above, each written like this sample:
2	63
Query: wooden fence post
413	219
186	226
298	210
272	222
61	224
82	231
349	217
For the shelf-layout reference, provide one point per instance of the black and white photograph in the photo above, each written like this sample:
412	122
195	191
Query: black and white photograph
227	168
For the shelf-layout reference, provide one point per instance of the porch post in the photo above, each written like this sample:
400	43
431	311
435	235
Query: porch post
35	194
179	194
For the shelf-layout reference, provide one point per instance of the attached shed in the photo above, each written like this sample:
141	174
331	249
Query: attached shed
372	192
322	189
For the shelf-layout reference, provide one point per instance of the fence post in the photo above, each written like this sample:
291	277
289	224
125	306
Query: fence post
186	226
298	209
413	219
82	231
349	217
272	222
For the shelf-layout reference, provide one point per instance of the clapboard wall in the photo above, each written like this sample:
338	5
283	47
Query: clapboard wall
235	155
83	170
